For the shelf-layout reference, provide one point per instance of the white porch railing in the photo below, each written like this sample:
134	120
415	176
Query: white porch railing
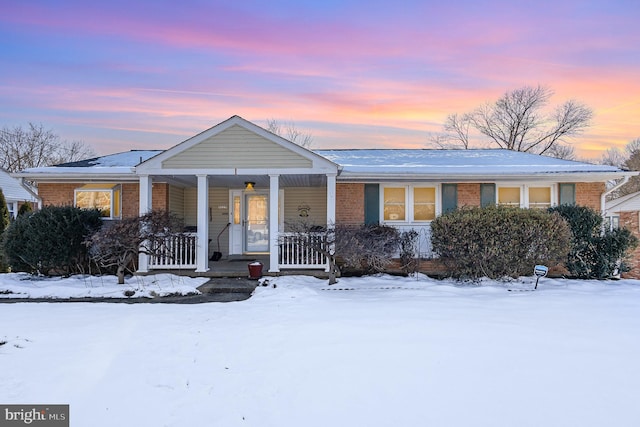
175	252
296	251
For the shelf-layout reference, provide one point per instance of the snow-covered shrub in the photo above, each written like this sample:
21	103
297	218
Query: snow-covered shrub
595	253
50	241
499	242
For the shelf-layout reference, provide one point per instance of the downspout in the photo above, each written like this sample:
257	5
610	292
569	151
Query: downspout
609	191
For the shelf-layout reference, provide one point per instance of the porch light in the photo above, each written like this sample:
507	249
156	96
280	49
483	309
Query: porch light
248	185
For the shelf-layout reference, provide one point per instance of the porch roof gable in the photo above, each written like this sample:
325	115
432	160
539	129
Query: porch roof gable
236	146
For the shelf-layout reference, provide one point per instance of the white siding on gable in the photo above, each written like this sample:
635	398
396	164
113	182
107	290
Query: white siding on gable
236	147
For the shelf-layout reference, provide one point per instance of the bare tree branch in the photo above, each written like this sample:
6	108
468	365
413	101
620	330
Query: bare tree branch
289	131
36	146
517	121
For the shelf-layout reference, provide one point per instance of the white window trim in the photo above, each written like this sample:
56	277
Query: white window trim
524	191
13	209
106	188
408	200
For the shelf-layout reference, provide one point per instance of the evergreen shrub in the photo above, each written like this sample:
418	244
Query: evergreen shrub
498	242
50	241
595	253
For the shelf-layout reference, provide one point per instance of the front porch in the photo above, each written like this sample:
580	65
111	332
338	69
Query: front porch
238	267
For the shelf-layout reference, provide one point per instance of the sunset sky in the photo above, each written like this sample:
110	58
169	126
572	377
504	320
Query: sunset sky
146	74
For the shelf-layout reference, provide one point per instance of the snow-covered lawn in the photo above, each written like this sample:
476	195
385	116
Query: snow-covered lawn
386	352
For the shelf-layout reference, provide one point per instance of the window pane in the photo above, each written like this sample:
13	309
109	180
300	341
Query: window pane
509	196
95	200
424	204
540	197
394	204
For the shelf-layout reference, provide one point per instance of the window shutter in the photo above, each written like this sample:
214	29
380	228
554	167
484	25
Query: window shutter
449	197
567	194
371	204
487	195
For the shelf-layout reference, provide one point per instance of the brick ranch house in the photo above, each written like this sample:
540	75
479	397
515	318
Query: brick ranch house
240	184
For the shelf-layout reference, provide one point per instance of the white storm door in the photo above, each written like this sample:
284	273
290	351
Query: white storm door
256	222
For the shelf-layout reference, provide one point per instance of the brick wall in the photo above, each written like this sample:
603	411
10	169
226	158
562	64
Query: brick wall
468	195
349	203
589	194
631	220
130	200
62	194
57	194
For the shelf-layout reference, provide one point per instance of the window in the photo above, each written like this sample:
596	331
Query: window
612	223
409	203
12	212
394	204
540	197
509	196
104	197
424	204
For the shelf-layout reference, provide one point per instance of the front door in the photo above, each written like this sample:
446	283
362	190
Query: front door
256	222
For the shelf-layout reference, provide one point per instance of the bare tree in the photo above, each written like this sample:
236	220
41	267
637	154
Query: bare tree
629	160
613	157
518	121
456	133
36	146
289	131
118	244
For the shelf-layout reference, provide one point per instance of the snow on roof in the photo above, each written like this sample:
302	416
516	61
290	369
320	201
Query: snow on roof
13	189
377	162
454	162
112	163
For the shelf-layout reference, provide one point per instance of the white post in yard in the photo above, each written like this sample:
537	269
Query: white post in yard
331	205
145	202
274	231
202	242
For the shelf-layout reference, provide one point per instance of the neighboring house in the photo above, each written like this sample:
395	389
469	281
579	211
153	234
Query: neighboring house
16	194
624	212
244	184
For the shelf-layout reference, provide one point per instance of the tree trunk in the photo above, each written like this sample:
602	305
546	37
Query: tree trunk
333	270
120	273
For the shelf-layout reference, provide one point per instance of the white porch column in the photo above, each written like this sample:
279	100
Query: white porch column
331	204
274	223
145	200
202	245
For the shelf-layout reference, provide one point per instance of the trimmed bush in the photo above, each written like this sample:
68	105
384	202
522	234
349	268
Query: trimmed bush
498	242
595	253
50	241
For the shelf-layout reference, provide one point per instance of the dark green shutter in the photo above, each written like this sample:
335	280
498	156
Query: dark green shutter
567	194
487	195
449	197
371	204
